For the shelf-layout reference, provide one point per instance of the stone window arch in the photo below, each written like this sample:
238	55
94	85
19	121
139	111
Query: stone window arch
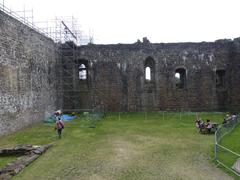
180	78
82	72
149	68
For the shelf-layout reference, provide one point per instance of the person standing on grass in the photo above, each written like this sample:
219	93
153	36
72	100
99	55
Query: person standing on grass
59	125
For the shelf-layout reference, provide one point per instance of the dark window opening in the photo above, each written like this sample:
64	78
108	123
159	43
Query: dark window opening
64	67
149	67
220	78
82	73
180	78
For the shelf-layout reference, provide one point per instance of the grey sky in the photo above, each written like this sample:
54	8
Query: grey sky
125	21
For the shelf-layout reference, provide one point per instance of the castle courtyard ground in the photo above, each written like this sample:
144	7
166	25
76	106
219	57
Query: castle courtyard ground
123	146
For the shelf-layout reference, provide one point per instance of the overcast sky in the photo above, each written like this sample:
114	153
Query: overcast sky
125	21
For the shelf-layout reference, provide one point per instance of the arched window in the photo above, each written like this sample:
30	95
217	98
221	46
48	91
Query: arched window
177	76
180	78
148	73
82	73
149	67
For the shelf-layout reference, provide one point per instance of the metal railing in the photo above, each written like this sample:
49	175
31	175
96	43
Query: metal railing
220	150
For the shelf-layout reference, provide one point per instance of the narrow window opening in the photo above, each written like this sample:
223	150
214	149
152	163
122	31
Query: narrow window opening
180	78
148	73
220	78
149	67
177	76
82	73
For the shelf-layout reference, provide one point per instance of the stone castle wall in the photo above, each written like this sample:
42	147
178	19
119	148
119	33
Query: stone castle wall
27	75
35	78
116	76
234	76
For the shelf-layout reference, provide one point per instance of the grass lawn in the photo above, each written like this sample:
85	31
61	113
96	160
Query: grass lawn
123	146
6	159
232	142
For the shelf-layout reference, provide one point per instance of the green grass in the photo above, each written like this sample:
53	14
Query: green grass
6	159
123	146
232	142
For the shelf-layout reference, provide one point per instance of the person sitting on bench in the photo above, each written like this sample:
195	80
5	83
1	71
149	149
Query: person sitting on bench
208	125
199	124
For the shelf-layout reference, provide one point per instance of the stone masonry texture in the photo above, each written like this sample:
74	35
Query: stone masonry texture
116	76
27	75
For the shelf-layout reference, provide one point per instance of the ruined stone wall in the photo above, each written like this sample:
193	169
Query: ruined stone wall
234	77
117	76
27	75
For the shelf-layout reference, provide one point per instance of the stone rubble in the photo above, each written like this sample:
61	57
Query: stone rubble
28	153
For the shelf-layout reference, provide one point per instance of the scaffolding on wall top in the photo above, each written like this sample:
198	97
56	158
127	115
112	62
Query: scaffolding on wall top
57	29
66	33
63	29
23	19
